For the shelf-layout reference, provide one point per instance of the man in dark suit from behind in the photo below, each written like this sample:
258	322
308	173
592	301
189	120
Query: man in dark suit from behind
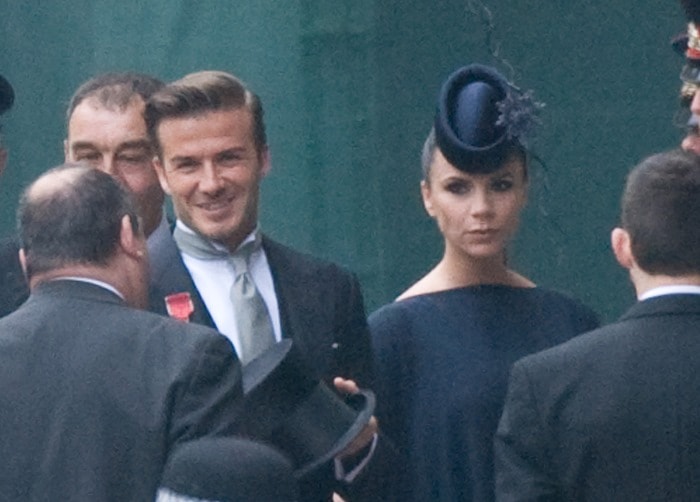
614	414
94	394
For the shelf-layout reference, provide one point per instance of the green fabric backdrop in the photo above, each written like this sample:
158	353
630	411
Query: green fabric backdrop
349	89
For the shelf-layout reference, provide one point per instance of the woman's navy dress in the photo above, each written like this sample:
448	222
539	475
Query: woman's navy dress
442	372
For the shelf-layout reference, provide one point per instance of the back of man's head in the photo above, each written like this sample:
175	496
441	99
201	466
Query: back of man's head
661	213
203	92
72	215
114	91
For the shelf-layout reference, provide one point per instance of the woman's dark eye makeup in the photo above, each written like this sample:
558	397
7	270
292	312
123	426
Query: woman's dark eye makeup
502	184
457	186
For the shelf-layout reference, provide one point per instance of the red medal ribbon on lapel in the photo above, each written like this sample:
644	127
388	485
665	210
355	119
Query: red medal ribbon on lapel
179	306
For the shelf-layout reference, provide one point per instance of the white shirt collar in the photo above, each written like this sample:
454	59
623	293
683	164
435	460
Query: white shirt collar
677	289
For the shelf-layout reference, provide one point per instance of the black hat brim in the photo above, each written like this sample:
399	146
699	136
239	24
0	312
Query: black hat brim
287	406
679	43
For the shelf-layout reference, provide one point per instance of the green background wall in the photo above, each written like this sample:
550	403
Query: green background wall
349	89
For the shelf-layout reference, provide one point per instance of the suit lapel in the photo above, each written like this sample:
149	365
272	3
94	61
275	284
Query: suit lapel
299	310
168	276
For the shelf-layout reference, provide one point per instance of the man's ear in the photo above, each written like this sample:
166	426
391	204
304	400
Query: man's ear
3	160
132	242
622	247
23	261
160	171
265	162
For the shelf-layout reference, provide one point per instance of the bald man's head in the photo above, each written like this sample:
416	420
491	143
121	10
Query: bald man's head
72	215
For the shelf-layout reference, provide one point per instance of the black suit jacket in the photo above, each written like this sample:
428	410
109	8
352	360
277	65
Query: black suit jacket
322	311
611	415
13	286
94	395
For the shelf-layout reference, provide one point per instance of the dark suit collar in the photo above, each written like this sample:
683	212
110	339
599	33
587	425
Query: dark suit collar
298	308
285	283
158	240
665	305
76	289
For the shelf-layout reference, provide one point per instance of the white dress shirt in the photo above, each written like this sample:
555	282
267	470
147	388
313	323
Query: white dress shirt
214	279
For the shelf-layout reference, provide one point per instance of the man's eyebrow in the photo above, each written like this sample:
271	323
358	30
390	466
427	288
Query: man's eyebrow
81	145
182	158
138	143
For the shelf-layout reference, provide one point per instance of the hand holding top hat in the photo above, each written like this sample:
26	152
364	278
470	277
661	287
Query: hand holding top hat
299	414
366	435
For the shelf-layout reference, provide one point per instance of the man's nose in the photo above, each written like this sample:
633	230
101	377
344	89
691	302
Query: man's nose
211	180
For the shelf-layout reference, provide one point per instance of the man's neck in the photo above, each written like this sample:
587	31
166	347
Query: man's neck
644	282
231	245
92	273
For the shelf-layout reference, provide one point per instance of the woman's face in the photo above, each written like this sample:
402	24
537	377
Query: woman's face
477	213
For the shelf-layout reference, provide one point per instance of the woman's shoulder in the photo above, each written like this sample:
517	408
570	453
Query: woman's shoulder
429	283
396	313
565	303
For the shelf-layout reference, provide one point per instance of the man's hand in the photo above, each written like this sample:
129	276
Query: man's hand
366	435
346	386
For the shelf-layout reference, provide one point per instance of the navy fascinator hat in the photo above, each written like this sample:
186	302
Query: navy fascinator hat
481	117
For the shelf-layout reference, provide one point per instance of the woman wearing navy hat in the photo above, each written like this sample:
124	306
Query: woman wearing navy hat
445	346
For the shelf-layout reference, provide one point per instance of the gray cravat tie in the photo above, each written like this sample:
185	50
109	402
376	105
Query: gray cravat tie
255	332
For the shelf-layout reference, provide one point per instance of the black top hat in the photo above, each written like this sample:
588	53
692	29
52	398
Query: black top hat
297	413
480	117
691	9
227	470
688	44
7	95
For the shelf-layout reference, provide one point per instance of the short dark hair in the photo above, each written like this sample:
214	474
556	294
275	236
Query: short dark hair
75	220
114	90
661	213
202	92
